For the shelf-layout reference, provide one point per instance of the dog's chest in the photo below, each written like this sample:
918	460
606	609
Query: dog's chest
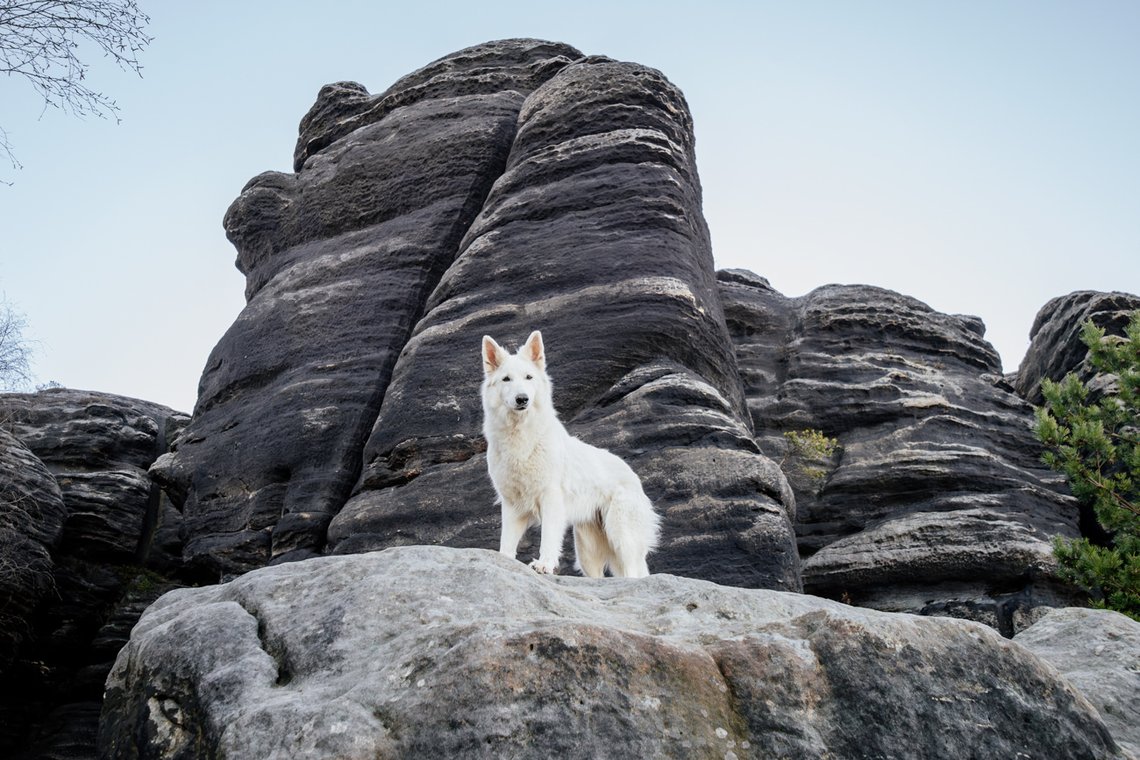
521	473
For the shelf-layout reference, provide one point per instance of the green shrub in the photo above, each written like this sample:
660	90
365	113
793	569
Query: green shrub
1093	438
811	448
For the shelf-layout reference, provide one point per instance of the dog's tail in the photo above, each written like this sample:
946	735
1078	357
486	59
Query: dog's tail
633	529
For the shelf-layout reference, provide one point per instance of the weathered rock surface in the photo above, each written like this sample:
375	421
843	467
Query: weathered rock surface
593	234
508	187
511	186
102	523
339	258
99	447
1055	347
935	500
435	652
506	65
1098	652
31	523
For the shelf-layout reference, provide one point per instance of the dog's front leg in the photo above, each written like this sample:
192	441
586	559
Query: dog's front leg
513	528
553	511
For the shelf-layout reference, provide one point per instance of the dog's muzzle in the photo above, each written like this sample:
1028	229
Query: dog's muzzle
521	401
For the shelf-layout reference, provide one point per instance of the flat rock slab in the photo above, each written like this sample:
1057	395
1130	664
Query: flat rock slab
1098	652
435	652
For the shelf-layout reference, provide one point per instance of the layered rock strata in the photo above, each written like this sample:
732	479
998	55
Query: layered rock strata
99	446
508	187
31	523
1055	346
934	499
339	260
594	235
99	529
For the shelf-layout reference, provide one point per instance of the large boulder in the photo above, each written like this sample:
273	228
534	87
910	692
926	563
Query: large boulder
1098	652
593	234
434	652
934	499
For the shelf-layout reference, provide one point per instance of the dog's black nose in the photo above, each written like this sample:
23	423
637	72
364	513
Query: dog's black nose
521	401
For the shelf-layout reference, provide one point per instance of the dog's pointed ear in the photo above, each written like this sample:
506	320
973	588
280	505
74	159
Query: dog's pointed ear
493	355
534	350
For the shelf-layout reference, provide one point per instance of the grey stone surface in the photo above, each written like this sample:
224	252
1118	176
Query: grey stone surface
31	523
99	446
935	500
1055	347
436	652
339	259
87	431
1098	652
110	521
594	235
511	186
518	65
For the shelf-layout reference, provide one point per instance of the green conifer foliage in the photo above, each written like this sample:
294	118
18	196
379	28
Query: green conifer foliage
1093	436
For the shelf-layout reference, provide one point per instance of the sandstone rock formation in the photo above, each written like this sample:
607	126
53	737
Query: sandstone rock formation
31	522
1055	347
1098	652
75	465
339	259
512	186
434	652
519	185
602	180
99	446
935	500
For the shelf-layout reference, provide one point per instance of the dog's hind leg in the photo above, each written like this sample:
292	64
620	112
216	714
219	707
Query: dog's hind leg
631	532
591	549
637	568
630	565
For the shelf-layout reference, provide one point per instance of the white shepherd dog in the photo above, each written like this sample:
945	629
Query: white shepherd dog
544	475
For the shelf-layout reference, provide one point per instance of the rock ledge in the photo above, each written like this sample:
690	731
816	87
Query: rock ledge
437	652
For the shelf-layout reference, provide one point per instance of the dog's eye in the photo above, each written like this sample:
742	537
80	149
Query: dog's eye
507	379
529	377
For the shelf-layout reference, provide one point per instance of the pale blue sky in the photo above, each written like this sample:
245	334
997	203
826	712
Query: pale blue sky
980	156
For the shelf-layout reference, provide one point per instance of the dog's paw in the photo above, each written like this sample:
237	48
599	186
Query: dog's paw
543	568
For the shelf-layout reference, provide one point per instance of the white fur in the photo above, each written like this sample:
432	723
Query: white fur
543	475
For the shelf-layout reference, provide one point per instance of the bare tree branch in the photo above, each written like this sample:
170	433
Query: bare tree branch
6	150
15	352
41	41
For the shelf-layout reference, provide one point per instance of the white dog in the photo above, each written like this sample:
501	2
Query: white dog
544	475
